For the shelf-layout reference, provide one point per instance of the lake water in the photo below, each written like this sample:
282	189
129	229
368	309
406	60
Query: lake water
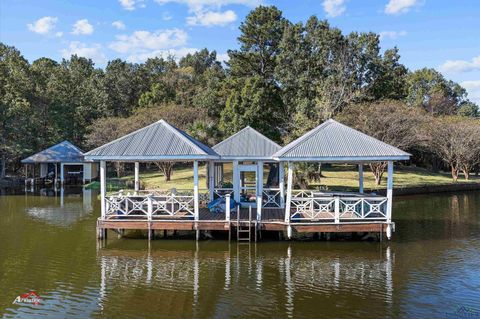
431	268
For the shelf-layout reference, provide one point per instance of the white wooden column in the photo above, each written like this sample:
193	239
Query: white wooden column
389	191
62	171
281	183
84	170
195	189
103	187
259	189
289	191
211	179
137	177
360	178
236	182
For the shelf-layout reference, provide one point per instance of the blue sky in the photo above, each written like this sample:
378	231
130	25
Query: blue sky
442	34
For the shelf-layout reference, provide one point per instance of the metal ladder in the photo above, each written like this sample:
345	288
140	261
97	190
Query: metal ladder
244	228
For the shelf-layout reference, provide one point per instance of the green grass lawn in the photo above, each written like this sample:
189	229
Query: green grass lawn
336	177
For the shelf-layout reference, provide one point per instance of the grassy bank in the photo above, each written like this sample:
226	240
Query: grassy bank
336	177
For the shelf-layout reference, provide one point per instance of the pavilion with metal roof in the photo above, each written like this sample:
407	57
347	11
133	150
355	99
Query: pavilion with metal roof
62	154
333	142
159	141
250	153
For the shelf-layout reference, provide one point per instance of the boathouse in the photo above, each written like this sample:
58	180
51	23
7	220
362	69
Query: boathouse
63	162
255	182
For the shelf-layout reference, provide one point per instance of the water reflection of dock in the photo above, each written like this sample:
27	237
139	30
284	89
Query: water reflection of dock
59	206
258	280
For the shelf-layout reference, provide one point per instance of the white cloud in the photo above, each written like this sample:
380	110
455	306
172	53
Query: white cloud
473	89
399	6
93	52
177	54
211	18
223	57
334	8
392	34
118	25
207	12
196	5
131	5
460	66
59	34
82	27
142	41
43	25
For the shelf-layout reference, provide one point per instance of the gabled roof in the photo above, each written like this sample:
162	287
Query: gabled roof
157	141
334	142
247	144
64	152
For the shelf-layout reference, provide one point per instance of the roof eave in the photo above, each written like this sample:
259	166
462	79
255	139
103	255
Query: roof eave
343	159
154	158
247	158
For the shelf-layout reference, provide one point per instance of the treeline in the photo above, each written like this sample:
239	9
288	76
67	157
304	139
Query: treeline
283	80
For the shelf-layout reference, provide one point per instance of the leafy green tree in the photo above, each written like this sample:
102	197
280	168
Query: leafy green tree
15	105
159	93
121	85
260	37
469	109
45	107
256	103
429	89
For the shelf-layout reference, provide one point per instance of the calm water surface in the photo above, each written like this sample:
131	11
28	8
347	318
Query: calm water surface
431	269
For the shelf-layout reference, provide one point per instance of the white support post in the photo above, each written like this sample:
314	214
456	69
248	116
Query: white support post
137	177
62	175
211	179
337	210
227	208
56	177
195	189
236	182
289	192
389	191
281	183
360	178
259	190
103	180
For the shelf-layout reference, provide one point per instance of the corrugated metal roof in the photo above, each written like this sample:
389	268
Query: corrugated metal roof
334	141
158	141
248	144
64	152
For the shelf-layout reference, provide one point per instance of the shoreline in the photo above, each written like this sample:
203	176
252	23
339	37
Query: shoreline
432	189
400	191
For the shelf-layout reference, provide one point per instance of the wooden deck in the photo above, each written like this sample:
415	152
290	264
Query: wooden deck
272	220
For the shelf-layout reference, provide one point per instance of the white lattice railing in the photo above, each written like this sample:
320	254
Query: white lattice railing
151	204
272	197
311	206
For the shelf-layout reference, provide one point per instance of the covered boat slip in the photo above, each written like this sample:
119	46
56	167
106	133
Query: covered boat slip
62	163
254	196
